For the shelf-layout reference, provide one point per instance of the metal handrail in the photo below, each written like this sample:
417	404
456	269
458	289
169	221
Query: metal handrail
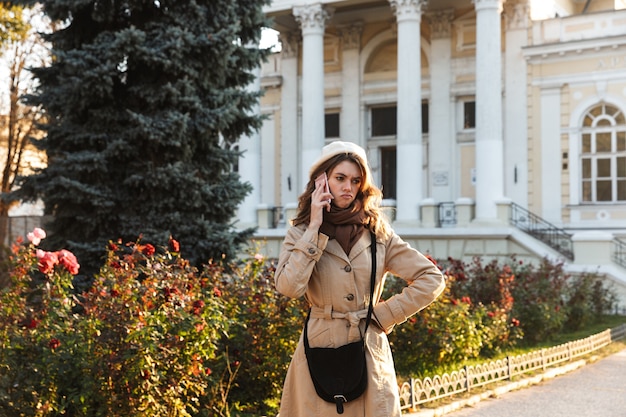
446	214
619	252
558	239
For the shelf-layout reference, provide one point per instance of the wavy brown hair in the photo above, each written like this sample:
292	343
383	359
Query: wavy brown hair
369	194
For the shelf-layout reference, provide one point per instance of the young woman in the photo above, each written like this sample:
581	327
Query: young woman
326	258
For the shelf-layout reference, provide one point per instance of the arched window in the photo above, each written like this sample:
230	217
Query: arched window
603	155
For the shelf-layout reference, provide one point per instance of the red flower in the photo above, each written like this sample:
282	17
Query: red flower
174	245
115	293
217	292
148	250
208	371
47	261
170	291
54	343
198	305
69	261
515	322
113	247
32	323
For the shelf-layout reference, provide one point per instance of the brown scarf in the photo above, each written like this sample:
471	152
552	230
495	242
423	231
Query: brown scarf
345	225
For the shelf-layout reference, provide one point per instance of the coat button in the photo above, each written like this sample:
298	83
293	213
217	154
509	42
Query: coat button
347	268
350	297
312	251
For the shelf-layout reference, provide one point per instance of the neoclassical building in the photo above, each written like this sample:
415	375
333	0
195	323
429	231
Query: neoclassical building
494	127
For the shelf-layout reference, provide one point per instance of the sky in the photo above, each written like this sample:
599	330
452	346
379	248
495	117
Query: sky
269	38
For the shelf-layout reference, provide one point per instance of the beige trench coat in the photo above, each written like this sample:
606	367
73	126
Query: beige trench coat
338	288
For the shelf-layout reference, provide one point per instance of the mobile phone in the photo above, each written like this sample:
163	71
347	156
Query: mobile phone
322	181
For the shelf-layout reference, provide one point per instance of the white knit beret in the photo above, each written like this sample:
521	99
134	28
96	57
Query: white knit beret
337	148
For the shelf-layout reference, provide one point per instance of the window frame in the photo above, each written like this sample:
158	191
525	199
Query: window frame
601	122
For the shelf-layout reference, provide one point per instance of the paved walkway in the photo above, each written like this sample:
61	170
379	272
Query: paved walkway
595	389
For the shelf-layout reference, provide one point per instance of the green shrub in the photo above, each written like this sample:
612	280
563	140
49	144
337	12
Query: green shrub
265	334
587	299
539	293
139	342
454	328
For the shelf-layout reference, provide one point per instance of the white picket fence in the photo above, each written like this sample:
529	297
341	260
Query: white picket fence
421	391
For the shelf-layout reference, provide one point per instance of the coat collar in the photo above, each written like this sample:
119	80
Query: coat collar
362	244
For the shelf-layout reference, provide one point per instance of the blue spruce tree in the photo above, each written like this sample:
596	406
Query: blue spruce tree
144	103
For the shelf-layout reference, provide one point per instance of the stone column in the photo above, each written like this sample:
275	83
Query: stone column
350	120
441	138
312	19
489	141
550	139
289	137
409	130
250	166
517	20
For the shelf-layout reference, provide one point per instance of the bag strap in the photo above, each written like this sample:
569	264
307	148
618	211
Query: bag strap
370	308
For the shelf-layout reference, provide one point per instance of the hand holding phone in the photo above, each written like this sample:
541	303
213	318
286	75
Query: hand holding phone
322	182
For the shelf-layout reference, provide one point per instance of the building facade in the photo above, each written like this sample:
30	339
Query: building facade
494	127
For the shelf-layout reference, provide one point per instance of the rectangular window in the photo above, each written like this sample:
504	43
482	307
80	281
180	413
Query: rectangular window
388	171
331	125
621	141
469	115
384	121
603	142
586	143
621	178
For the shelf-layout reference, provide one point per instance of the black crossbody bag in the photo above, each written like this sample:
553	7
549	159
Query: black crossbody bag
340	374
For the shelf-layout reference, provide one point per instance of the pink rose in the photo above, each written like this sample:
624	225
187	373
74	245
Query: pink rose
36	235
47	261
69	261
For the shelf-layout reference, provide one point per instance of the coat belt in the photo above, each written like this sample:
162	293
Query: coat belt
353	317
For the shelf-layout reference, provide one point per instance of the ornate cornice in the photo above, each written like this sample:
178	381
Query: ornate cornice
289	42
407	9
351	35
440	23
517	14
312	16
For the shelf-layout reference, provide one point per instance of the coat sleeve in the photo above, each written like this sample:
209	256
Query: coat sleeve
425	283
299	253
